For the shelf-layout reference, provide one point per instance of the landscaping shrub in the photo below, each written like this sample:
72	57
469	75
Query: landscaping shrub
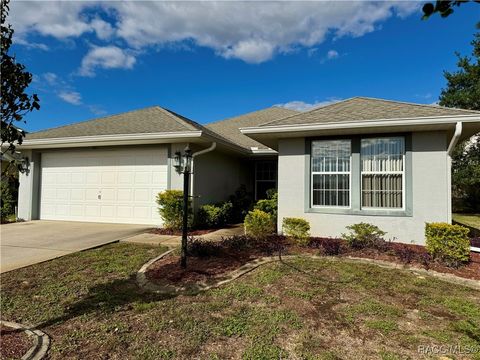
259	224
363	235
171	209
203	248
270	204
214	216
448	243
7	199
405	253
297	228
242	201
327	246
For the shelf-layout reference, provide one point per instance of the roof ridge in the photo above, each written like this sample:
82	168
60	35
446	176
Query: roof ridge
311	110
177	117
246	114
203	128
94	119
416	104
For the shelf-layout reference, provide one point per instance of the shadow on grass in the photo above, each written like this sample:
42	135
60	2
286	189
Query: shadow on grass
107	298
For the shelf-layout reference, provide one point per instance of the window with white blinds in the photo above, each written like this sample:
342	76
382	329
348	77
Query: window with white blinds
383	172
330	165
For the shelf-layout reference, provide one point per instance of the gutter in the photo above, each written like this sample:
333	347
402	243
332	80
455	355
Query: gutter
359	124
111	138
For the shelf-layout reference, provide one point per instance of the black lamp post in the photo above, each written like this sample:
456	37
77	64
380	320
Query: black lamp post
183	164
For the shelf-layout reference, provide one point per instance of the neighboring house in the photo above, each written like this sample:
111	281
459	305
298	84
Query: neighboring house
361	159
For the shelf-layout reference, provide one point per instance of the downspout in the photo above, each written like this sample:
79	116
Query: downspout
194	155
455	138
451	147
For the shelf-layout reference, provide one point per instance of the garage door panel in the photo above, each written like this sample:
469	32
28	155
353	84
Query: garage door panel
103	185
108	177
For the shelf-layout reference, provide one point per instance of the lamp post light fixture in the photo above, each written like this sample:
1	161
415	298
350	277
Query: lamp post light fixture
183	164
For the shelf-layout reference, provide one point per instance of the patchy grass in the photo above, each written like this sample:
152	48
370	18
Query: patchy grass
472	220
309	309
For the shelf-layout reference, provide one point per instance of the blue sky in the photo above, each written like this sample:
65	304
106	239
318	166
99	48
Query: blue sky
210	61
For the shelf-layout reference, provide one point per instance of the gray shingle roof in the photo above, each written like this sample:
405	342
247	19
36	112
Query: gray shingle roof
362	108
230	128
149	120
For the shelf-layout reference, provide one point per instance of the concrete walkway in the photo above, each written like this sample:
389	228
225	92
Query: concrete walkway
28	243
174	240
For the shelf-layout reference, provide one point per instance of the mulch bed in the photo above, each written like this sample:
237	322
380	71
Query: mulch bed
214	264
475	242
199	270
161	231
469	271
14	343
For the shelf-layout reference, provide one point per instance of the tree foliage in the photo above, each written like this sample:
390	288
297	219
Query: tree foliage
463	91
463	85
466	176
442	7
15	102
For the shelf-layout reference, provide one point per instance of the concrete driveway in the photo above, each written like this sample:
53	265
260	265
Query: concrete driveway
28	243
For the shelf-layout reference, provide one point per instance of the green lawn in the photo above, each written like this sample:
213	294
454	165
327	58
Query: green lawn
472	220
306	309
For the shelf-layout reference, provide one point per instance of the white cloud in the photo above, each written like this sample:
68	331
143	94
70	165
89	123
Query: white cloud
50	78
332	54
251	31
71	97
107	57
304	106
251	51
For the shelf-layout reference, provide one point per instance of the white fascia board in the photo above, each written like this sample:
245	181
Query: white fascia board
109	139
264	151
439	120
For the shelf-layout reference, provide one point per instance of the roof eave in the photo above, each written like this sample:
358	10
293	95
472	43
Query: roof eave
269	135
111	140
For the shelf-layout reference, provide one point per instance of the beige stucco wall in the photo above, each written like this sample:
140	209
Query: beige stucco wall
430	179
216	176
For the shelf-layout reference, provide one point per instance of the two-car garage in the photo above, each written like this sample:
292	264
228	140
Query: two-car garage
103	185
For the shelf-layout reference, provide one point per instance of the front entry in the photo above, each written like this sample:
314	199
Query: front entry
265	177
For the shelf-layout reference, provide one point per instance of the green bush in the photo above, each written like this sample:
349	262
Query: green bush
171	209
259	224
270	204
296	228
363	235
213	216
242	204
448	243
7	199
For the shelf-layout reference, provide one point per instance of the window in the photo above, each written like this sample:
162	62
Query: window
265	178
331	173
382	166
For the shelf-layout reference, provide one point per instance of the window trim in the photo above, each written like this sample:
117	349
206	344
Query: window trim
312	173
355	179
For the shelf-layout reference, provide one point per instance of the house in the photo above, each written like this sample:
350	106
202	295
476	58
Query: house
361	159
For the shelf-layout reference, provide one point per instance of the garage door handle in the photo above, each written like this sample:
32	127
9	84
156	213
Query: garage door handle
99	196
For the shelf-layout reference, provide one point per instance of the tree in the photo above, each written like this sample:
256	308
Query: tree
15	102
466	176
463	91
463	85
443	7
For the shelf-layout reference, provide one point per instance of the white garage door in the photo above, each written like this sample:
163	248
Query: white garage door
116	186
